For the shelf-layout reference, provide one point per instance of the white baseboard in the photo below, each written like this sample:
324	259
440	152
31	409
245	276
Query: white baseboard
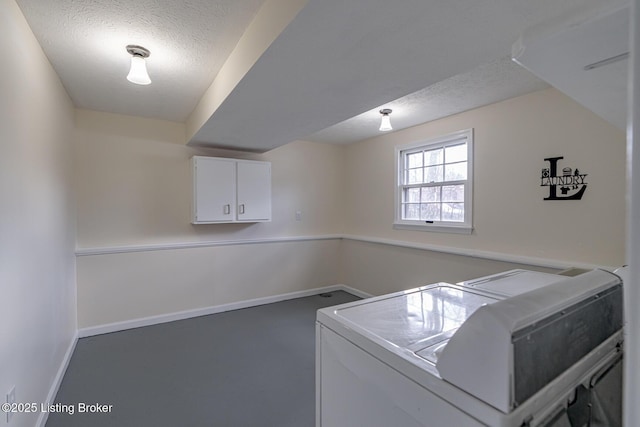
55	386
187	314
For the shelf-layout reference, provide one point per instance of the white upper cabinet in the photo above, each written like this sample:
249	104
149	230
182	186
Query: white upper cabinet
254	191
214	190
230	190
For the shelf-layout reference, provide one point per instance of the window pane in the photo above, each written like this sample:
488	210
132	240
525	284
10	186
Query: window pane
430	194
414	176
435	181
455	171
430	211
411	211
453	193
456	153
433	157
412	195
433	174
414	160
453	212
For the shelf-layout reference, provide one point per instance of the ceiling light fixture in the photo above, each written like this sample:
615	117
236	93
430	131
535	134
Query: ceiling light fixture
138	72
385	123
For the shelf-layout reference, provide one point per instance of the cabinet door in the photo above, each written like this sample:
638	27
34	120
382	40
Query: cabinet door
254	191
214	190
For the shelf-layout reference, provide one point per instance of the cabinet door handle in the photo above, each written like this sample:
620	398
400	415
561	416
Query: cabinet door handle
227	209
241	207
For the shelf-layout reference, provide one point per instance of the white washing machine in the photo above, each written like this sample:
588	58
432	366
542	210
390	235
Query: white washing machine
518	349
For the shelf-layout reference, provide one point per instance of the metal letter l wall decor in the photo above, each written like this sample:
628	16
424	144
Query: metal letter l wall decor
571	183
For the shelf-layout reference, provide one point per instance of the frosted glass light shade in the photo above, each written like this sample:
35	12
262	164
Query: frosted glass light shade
138	72
385	123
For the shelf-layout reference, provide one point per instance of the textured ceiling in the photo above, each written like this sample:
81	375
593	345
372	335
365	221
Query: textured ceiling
189	42
493	82
338	59
323	78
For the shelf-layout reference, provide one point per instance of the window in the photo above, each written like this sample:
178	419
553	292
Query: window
434	190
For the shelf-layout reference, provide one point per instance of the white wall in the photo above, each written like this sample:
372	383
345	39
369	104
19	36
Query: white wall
123	287
37	229
134	185
511	139
511	220
382	268
134	188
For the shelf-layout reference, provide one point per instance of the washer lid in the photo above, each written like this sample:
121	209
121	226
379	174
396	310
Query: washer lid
418	318
514	282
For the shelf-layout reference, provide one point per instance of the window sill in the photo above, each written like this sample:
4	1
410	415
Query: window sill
455	229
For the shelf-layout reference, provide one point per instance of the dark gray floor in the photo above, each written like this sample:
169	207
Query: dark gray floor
250	367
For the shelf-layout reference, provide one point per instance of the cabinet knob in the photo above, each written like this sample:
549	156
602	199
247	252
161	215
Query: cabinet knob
241	208
227	209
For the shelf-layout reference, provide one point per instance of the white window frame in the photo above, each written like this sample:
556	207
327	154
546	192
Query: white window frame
461	227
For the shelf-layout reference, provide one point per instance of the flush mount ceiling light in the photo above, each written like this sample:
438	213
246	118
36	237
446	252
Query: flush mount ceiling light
385	123
138	72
